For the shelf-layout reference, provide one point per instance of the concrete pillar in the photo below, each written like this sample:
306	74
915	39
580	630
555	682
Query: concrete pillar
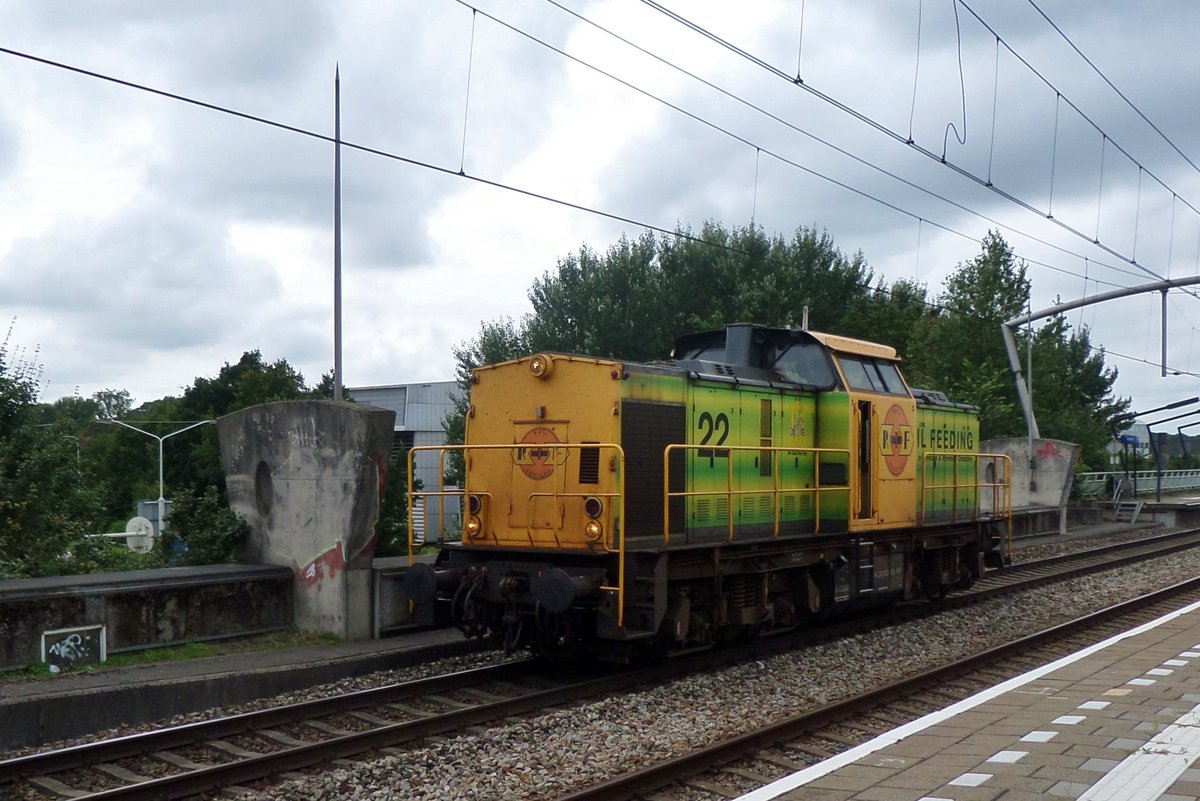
1043	472
308	476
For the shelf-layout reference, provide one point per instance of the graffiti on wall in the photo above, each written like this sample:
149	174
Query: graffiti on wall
66	648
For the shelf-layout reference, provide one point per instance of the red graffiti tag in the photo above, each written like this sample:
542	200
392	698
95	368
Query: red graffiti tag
1049	451
329	562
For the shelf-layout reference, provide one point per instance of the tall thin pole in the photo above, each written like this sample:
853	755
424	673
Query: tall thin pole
1164	333
337	233
162	500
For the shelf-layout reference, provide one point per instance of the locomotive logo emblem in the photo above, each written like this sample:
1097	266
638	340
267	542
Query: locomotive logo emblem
532	455
895	440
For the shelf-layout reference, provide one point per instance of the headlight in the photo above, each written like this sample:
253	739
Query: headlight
541	366
474	504
593	507
592	530
474	527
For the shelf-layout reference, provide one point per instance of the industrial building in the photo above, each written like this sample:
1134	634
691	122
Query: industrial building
420	410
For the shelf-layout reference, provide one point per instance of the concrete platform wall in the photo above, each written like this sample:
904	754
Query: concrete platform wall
144	608
1043	470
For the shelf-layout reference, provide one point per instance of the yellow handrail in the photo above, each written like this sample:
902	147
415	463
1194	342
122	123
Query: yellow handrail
729	492
1001	487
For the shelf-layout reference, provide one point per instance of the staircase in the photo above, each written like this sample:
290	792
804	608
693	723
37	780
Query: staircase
1127	511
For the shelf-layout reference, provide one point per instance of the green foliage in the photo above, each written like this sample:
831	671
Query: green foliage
195	463
392	526
632	300
1072	390
961	352
64	476
203	530
46	507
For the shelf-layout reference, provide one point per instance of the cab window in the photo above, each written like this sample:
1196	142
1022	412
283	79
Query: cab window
872	375
804	363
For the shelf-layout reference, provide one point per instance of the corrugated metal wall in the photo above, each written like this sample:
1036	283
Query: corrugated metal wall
420	409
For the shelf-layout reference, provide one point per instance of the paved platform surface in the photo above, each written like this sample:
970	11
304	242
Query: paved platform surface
1117	721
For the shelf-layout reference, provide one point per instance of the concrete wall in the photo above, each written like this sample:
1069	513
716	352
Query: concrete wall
144	608
308	476
1042	469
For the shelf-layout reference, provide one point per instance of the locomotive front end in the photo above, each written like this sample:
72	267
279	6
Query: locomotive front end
541	498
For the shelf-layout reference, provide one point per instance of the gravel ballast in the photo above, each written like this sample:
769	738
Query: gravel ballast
547	755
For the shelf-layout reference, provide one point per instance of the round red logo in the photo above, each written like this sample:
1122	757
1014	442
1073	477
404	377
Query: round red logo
895	440
534	459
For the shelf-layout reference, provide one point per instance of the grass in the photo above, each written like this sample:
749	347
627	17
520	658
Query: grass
290	638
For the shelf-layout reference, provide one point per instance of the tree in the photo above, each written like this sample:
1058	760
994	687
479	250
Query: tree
203	531
1073	390
123	464
960	350
633	300
392	526
889	315
195	464
47	508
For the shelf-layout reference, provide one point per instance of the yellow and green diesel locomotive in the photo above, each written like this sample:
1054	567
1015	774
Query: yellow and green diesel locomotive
762	477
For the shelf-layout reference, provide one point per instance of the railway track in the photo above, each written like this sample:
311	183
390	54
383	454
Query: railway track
197	758
730	768
188	760
1035	573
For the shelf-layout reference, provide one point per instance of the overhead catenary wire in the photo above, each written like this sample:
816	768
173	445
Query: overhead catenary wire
673	233
519	190
796	128
900	137
676	232
1113	86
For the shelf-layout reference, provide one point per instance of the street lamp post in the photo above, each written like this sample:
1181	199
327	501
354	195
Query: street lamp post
162	501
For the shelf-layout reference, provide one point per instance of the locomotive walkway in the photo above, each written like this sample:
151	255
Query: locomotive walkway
1116	721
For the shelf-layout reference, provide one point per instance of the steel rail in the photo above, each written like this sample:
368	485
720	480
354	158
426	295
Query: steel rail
85	754
698	761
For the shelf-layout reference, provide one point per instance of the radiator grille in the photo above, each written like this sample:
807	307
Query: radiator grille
589	465
646	430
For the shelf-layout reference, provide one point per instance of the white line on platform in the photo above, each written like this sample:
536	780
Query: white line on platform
803	777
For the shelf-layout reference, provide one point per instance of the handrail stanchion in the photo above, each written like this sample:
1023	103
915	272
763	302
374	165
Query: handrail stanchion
411	554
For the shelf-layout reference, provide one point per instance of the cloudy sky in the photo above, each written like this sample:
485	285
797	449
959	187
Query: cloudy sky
145	241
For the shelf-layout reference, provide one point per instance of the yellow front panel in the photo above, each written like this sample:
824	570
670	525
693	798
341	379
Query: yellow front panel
533	492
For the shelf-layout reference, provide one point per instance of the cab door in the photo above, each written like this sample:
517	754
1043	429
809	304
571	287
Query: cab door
894	428
884	491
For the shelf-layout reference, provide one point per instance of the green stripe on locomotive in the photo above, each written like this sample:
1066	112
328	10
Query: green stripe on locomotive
729	427
945	484
833	409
